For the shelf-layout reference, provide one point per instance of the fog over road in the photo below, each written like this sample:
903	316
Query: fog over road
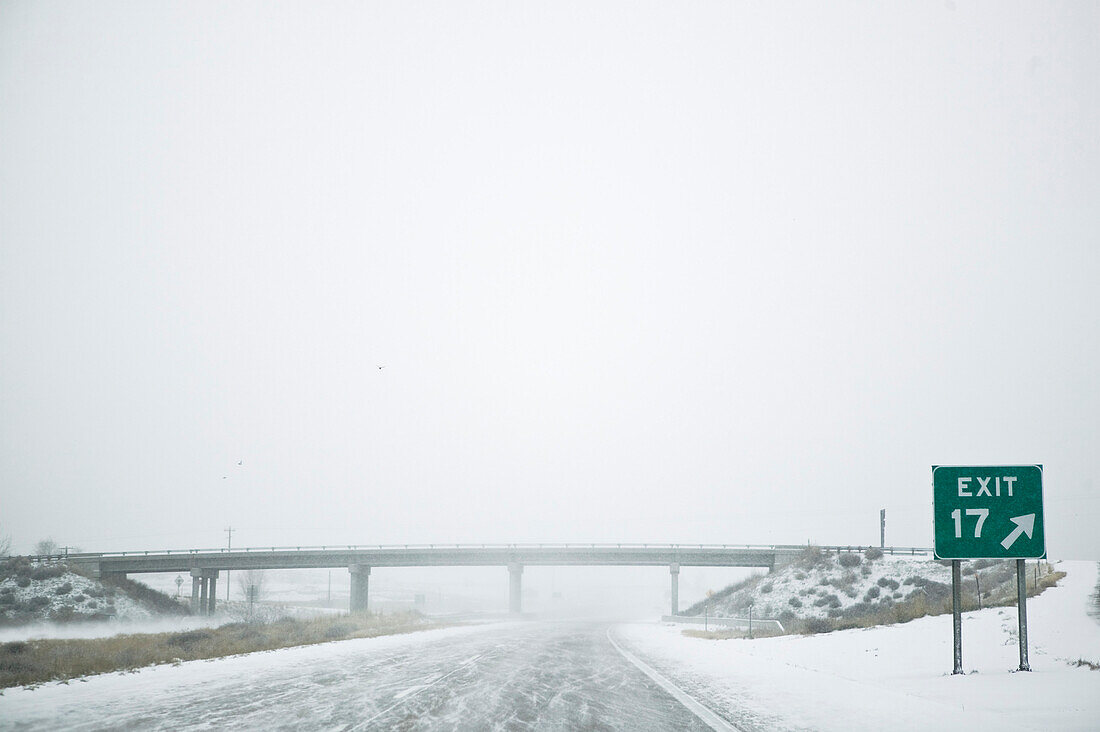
538	675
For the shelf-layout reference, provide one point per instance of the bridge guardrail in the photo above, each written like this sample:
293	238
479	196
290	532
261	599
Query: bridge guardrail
893	550
728	622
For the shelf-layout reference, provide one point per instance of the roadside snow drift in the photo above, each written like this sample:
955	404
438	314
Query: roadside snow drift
899	677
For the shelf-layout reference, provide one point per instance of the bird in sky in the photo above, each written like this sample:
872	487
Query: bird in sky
240	462
381	367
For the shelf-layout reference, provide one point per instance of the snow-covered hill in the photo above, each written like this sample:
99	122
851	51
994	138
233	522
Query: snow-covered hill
825	590
31	593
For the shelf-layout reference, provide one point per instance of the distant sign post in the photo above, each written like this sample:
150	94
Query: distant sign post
988	512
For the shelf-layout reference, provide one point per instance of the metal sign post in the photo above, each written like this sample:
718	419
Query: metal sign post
956	613
988	512
1021	599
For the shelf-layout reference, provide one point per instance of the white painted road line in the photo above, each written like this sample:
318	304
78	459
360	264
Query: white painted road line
710	718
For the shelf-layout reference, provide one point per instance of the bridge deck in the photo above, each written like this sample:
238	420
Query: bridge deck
450	555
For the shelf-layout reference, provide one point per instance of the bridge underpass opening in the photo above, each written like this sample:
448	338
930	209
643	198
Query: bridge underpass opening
617	592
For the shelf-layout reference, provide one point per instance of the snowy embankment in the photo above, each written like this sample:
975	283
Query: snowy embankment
34	594
823	590
899	677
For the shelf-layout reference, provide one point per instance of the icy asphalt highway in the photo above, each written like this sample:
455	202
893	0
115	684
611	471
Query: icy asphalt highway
514	676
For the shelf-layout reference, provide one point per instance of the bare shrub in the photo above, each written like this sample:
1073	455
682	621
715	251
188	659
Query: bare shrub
935	592
48	572
873	554
1050	580
63	614
810	557
916	607
47	547
849	560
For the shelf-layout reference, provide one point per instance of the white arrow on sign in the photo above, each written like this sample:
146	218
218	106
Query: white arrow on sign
1024	525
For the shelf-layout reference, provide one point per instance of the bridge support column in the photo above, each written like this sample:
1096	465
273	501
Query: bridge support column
674	570
515	588
204	585
360	582
196	580
212	598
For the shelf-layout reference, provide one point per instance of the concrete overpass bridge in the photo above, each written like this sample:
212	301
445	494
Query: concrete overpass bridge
204	565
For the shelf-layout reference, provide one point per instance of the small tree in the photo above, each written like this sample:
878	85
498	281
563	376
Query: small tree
251	578
47	546
5	545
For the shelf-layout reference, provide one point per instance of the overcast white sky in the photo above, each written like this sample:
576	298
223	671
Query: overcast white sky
694	272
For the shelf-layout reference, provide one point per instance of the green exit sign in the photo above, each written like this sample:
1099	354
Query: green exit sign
988	512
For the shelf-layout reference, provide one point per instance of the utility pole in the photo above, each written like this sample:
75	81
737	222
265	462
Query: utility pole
882	529
229	546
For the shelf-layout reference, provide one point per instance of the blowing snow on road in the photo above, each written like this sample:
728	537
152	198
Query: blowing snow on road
547	675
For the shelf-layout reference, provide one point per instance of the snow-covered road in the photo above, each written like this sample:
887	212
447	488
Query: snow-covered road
512	676
569	675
